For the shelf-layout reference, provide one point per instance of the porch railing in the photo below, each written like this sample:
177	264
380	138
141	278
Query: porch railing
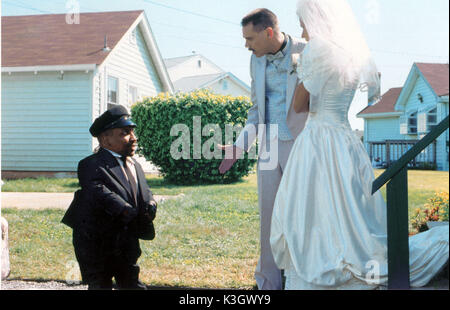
396	177
383	154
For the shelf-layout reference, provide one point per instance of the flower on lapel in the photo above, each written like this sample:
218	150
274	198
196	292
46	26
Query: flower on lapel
295	63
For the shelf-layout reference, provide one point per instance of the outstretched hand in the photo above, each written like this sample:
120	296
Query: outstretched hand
228	162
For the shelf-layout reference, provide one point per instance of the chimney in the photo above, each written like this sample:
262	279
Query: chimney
105	45
374	97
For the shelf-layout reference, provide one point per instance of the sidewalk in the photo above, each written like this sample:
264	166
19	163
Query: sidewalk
39	201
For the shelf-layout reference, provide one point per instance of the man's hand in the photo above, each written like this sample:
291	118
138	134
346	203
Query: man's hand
128	214
227	163
150	211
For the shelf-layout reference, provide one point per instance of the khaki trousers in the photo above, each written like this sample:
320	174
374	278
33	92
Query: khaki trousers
267	274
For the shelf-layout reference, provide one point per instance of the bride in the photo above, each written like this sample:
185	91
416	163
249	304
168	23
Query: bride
328	231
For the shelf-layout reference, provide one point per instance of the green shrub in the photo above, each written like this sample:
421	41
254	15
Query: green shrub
156	117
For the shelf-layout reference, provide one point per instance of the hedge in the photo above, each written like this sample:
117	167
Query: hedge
197	121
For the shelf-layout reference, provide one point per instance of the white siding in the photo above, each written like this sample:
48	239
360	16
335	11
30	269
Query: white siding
191	68
232	89
98	98
132	65
45	120
99	94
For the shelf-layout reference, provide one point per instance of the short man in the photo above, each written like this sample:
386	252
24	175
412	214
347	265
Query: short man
114	208
274	80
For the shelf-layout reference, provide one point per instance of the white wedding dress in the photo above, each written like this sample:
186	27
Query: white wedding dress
328	231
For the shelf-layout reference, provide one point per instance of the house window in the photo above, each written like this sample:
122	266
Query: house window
199	63
431	119
113	90
132	95
412	124
225	85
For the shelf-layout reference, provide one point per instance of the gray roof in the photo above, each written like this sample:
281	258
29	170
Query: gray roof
171	62
191	83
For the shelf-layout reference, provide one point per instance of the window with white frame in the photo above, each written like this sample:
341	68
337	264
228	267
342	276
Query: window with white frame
113	91
431	119
422	123
412	123
132	95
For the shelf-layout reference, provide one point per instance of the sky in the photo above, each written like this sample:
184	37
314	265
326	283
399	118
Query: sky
399	32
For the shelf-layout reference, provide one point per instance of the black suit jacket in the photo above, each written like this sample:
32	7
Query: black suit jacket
97	209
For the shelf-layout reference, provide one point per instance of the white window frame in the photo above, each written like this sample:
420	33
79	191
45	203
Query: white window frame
109	102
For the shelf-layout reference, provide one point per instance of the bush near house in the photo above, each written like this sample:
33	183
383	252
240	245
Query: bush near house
178	133
424	166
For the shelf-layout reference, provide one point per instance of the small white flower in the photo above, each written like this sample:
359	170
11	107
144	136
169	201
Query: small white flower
295	63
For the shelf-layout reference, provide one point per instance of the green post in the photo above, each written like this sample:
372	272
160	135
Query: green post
397	229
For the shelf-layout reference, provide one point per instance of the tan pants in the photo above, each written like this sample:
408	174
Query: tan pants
267	274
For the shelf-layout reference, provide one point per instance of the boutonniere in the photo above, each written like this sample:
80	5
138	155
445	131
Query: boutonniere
295	63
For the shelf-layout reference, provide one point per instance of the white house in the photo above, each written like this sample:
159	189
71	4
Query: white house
196	72
405	115
58	76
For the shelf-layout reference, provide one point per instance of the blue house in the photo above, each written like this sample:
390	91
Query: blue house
405	115
58	76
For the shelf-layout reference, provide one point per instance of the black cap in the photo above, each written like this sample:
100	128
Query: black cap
115	117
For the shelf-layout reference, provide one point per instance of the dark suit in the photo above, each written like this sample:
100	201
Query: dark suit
106	242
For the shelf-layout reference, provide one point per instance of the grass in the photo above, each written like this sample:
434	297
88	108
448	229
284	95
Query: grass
44	185
208	238
422	185
219	221
70	185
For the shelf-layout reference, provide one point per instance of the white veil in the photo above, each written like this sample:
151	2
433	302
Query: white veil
333	22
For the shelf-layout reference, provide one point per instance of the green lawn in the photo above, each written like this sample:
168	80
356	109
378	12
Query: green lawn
208	238
70	185
421	186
